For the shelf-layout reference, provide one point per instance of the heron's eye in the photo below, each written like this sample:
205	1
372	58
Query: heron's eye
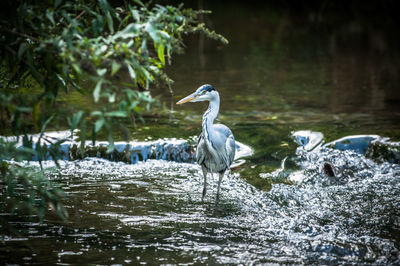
203	92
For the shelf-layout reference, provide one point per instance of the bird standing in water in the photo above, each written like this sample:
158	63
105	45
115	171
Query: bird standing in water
216	145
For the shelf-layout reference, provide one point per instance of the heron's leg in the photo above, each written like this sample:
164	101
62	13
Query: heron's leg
205	182
221	175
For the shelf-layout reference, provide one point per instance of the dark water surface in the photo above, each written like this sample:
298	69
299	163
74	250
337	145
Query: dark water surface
318	69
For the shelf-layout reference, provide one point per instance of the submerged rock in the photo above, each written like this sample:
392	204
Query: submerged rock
374	147
329	169
132	152
382	150
357	143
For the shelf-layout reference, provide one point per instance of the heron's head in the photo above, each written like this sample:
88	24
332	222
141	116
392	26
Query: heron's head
204	93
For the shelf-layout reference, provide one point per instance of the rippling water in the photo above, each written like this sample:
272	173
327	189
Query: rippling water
152	212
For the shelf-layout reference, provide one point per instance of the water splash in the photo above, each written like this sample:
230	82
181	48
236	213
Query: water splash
340	161
152	211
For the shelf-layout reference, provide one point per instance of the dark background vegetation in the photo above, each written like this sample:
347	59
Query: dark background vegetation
358	39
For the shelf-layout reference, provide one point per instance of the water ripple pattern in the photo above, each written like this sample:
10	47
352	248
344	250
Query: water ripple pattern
152	212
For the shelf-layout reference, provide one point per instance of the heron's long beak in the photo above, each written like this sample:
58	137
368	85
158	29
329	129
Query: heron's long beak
187	98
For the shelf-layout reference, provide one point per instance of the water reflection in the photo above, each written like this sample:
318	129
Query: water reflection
279	60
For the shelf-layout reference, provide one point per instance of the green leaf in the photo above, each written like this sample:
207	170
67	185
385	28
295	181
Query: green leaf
111	98
106	8
131	72
96	113
101	71
135	15
160	52
50	16
153	32
110	22
57	3
21	50
47	122
98	125
116	114
164	34
115	67
76	119
62	82
97	90
139	3
130	31
24	109
77	68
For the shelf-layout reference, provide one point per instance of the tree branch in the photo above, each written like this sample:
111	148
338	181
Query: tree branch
81	14
20	34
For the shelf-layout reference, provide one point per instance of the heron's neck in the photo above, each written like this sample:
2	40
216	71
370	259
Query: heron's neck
210	115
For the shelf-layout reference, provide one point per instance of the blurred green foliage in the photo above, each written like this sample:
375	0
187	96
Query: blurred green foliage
111	53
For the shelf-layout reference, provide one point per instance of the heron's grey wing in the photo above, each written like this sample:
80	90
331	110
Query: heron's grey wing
224	130
229	144
230	148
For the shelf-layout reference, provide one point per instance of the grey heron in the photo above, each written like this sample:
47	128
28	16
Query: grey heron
216	145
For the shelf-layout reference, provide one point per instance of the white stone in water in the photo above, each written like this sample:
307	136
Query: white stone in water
308	139
242	150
